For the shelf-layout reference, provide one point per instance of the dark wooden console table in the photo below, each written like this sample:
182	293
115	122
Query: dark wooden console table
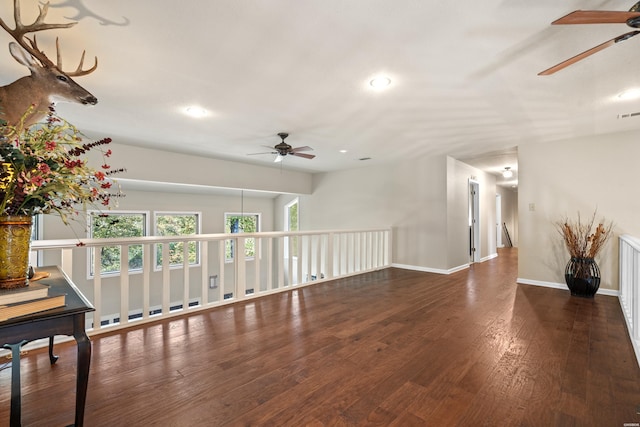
67	320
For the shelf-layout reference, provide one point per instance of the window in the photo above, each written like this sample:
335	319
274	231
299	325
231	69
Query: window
241	223
36	234
291	216
117	224
291	223
177	224
36	229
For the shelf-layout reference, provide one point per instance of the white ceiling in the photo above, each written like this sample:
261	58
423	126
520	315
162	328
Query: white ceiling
464	76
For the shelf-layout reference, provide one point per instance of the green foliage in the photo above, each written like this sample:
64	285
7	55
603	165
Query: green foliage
293	226
177	225
43	169
104	226
293	217
241	224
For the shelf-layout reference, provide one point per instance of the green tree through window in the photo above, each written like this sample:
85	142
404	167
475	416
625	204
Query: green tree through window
293	225
104	226
177	224
245	223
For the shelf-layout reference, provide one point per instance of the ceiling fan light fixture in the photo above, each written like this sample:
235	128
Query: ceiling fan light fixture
507	172
380	82
283	149
629	94
196	112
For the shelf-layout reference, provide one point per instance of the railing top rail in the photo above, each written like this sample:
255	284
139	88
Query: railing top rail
72	243
631	240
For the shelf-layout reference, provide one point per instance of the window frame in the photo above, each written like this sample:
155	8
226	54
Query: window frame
258	216
37	233
287	226
90	215
198	215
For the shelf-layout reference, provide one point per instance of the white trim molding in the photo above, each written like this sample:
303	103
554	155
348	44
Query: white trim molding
487	258
440	270
430	270
562	286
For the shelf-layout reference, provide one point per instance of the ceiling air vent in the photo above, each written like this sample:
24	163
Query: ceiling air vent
626	116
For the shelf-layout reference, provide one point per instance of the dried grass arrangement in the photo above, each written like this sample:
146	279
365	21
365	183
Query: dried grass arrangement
584	239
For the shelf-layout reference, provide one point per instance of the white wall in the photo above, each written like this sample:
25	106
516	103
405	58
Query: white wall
458	176
163	166
212	207
564	178
278	210
409	196
425	200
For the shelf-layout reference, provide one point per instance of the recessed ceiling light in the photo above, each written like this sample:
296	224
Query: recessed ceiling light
343	151
195	111
633	93
380	82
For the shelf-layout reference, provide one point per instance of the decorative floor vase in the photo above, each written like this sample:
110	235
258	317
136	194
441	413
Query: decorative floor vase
15	244
583	277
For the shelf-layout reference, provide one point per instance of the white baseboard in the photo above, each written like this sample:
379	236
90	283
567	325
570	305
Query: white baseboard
563	286
439	270
487	258
430	270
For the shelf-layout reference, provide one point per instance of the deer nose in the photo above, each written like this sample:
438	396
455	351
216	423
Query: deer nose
90	100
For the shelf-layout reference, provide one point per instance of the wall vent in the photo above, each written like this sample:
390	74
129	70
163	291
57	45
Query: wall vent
628	115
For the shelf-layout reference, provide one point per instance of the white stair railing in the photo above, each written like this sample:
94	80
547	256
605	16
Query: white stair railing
630	288
159	289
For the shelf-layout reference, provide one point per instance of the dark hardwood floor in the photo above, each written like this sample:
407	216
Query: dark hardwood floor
394	347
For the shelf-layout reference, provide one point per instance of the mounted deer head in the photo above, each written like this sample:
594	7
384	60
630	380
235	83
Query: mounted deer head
47	82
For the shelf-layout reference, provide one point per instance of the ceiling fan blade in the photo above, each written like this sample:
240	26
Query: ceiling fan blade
278	158
268	152
586	53
298	149
304	155
595	17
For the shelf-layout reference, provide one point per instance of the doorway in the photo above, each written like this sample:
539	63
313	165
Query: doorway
498	221
474	221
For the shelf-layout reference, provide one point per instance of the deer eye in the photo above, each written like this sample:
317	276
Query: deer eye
62	78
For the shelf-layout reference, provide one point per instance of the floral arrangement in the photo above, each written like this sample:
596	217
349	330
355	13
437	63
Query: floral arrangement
43	169
584	239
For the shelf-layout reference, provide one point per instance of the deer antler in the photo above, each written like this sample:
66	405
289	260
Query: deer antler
78	72
20	31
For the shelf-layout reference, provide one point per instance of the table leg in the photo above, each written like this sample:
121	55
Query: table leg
52	357
84	360
16	398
